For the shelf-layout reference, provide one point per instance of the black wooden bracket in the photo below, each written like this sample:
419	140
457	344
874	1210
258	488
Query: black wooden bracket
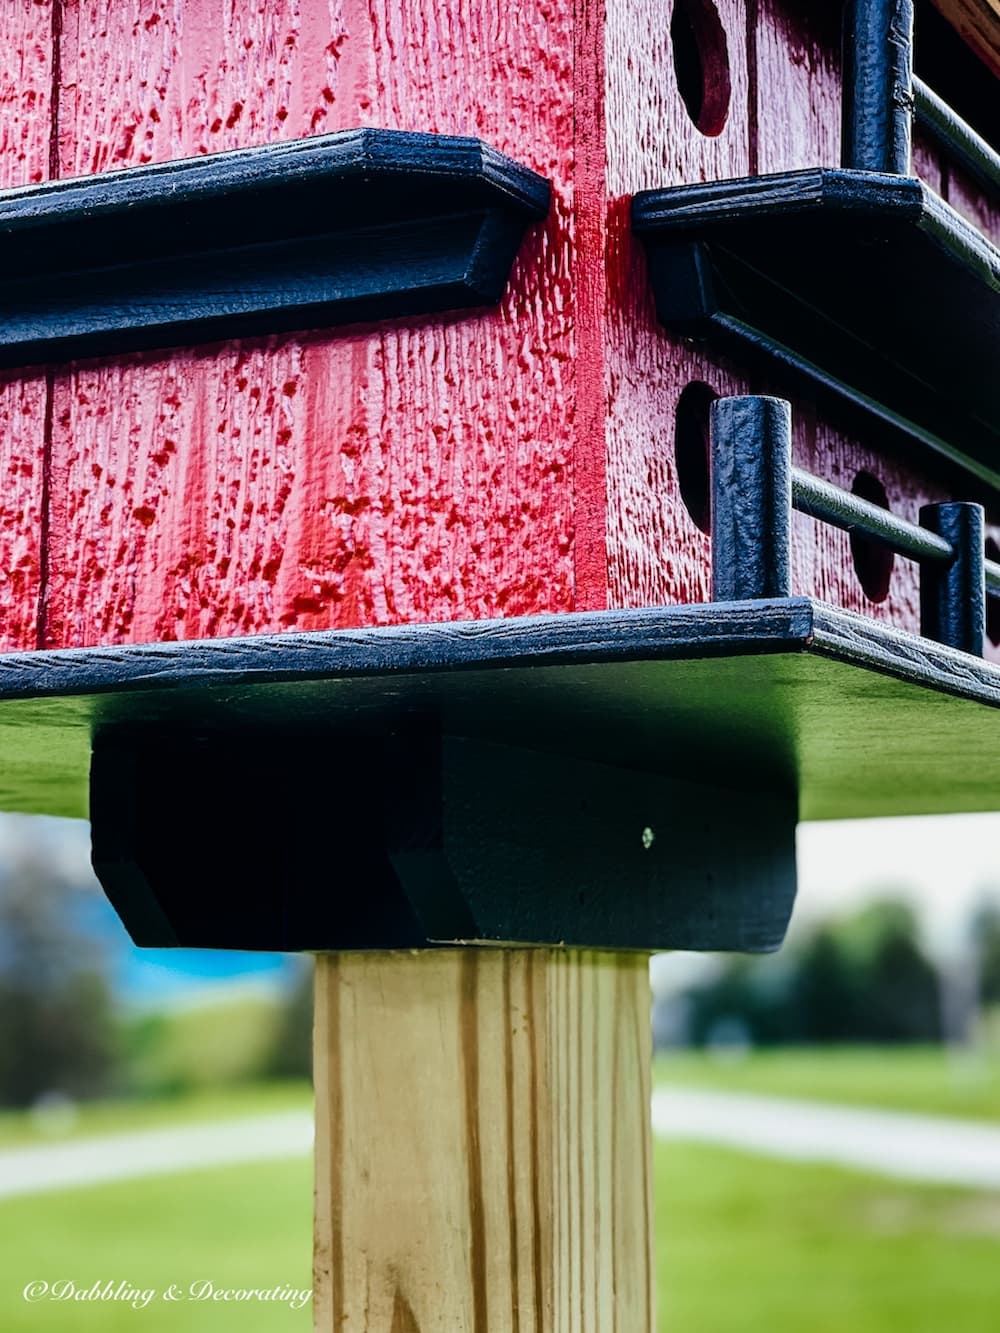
868	285
340	228
412	840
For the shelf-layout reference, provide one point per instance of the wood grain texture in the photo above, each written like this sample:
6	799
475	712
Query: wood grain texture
656	553
978	23
483	1143
968	197
26	80
412	472
929	162
499	464
796	107
785	114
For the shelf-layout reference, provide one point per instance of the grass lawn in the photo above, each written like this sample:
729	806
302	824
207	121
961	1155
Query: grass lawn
904	1078
747	1245
744	1245
240	1226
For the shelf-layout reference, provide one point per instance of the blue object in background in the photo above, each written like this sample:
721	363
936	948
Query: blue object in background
140	977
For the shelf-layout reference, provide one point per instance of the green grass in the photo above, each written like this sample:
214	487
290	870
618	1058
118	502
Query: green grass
19	1128
905	1078
241	1226
744	1245
218	1042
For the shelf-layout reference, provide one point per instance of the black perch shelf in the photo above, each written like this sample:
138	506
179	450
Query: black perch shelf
335	229
866	283
618	779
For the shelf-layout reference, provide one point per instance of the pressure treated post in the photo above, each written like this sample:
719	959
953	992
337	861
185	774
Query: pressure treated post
483	1142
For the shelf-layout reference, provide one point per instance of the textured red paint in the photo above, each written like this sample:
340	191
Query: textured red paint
797	104
655	552
507	462
785	114
967	197
590	235
25	133
416	471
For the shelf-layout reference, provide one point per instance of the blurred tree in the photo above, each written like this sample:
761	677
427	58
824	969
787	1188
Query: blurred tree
985	933
749	997
56	1028
864	978
826	991
898	991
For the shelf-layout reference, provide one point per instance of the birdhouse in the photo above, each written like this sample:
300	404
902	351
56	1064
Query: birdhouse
479	475
376	513
484	476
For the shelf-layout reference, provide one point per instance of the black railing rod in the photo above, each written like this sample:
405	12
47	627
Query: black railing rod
755	488
950	132
878	85
822	500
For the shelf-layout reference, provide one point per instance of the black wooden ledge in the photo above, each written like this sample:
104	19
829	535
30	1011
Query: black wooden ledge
627	779
867	284
787	693
340	228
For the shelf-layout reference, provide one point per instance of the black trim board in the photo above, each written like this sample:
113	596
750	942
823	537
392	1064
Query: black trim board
788	695
869	285
335	229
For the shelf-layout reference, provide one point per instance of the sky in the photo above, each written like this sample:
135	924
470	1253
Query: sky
944	866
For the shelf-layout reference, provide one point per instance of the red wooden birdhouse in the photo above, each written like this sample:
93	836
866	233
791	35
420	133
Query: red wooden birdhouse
365	517
478	475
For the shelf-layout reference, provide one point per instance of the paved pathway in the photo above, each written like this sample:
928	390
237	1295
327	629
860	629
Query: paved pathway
892	1143
913	1147
154	1152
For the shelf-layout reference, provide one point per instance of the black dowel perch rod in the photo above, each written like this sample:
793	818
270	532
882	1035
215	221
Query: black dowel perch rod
751	498
755	488
830	504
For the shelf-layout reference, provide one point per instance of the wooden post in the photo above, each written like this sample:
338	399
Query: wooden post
483	1142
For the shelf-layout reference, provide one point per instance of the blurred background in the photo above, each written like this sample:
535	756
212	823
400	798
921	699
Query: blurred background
826	1120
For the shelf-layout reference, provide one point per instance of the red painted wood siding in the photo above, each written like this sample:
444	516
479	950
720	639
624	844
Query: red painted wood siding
418	471
503	463
26	83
